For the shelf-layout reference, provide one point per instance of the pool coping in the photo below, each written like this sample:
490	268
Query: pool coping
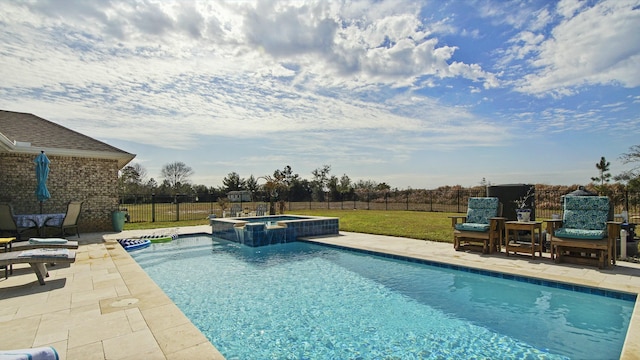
101	286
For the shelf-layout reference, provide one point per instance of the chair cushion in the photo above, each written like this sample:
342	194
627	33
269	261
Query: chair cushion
48	241
472	227
580	234
481	210
586	212
586	203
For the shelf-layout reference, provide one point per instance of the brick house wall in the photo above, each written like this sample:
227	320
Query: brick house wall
93	181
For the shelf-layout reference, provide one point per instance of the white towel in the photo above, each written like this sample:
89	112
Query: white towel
48	241
41	353
45	253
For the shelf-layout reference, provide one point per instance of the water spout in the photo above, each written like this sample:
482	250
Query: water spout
240	231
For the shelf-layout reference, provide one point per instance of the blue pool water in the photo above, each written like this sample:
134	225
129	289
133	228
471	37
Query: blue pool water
305	301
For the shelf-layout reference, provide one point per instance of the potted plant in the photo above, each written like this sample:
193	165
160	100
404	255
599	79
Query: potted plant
118	218
523	213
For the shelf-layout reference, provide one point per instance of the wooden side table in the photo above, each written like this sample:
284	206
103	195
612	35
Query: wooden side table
7	247
518	247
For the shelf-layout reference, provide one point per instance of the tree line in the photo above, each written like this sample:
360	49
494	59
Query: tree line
285	185
282	184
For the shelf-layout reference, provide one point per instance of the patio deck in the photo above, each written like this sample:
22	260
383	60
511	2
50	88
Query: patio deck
104	306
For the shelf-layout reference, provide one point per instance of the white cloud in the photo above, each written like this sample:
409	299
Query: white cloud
541	19
514	13
569	8
395	49
178	69
350	82
591	45
526	42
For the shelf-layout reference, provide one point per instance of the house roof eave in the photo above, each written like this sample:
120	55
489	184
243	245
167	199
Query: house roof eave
123	158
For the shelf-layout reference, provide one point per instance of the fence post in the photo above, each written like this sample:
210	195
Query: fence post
626	200
153	207
211	204
386	201
407	200
458	199
431	200
177	207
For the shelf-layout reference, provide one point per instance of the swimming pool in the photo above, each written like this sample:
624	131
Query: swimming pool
300	300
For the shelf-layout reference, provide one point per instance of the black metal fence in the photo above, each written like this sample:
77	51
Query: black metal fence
161	208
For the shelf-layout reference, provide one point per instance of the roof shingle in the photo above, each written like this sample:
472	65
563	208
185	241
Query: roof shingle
41	133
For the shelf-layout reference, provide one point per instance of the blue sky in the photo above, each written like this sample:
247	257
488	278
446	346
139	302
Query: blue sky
414	94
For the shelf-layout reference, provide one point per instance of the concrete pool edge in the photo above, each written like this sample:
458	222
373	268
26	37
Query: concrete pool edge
177	338
623	278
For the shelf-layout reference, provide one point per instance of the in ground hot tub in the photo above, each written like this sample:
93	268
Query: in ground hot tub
265	230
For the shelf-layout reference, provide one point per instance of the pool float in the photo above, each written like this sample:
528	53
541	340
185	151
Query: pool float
159	238
134	244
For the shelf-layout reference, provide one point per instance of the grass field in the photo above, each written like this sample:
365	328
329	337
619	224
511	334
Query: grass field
421	225
435	226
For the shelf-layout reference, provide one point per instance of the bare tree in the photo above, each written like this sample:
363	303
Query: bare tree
176	174
631	177
632	156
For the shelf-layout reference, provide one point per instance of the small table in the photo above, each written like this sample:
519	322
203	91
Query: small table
516	246
28	220
7	247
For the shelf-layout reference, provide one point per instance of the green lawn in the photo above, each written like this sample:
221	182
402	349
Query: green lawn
434	226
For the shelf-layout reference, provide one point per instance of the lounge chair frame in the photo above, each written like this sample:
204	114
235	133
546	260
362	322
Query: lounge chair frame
25	245
37	263
14	245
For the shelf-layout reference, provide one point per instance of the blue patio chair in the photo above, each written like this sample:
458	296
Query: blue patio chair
584	235
482	227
